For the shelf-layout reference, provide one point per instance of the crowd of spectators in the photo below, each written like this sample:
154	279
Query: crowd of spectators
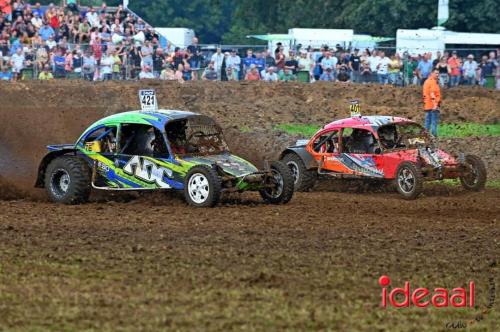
100	43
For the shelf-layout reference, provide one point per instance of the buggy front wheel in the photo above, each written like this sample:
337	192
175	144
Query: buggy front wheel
280	184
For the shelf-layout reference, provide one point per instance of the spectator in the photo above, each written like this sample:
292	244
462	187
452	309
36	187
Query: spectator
84	31
186	73
194	58
437	59
329	62
355	66
287	75
217	59
343	73
269	75
158	61
134	61
260	61
253	74
373	61
394	69
42	57
37	9
178	58
306	64
327	75
59	62
36	21
117	63
51	43
444	69
454	67
5	74
179	73
72	6
68	62
291	63
365	67
147	54
270	61
17	62
470	68
167	73
46	31
223	73
432	101
383	68
146	73
6	8
209	74
89	65
424	69
106	66
45	75
248	61
93	18
233	63
492	64
280	59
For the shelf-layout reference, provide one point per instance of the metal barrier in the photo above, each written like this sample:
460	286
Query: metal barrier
402	74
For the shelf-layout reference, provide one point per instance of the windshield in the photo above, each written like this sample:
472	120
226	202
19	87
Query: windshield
196	135
405	135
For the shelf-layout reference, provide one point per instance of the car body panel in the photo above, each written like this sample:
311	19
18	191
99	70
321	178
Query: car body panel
115	170
381	165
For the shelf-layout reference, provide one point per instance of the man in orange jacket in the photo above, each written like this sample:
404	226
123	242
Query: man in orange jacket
432	101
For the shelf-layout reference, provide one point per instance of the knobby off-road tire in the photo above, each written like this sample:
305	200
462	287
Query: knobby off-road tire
476	178
304	179
68	180
283	179
202	187
409	181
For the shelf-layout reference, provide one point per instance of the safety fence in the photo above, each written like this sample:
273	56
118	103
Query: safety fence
125	63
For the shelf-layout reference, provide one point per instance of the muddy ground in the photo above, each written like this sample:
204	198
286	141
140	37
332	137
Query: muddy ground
155	264
149	262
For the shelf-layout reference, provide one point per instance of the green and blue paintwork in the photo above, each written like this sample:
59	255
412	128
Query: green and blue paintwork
111	166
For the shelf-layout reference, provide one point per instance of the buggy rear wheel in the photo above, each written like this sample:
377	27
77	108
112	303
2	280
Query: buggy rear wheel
281	191
408	180
474	177
67	180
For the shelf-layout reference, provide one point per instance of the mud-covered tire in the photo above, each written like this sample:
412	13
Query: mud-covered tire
68	180
283	178
202	187
304	179
475	180
408	181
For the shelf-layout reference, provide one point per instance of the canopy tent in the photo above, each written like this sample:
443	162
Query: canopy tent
368	38
271	37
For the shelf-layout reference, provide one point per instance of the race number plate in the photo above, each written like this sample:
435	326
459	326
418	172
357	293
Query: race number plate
147	98
355	108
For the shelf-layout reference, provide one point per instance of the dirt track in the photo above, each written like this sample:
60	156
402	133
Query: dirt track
149	262
154	263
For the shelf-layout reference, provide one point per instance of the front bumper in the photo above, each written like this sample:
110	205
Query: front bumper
252	181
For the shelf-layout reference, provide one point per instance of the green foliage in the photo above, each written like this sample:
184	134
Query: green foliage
209	19
230	21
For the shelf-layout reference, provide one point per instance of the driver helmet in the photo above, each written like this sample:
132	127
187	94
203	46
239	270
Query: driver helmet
387	134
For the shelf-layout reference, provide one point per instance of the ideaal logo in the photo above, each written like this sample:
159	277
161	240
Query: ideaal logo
459	297
423	297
